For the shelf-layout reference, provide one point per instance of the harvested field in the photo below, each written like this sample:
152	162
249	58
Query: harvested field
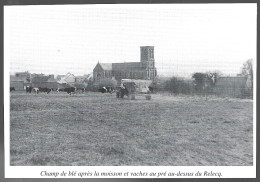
94	129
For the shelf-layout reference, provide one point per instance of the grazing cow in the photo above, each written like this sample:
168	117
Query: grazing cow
12	89
36	90
60	89
45	90
102	90
70	90
28	89
107	89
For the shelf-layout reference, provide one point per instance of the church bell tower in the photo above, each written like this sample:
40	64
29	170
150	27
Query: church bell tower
147	53
147	57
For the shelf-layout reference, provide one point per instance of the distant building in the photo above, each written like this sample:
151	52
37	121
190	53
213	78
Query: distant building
82	79
36	75
20	80
58	78
66	79
44	82
145	69
232	86
16	82
23	75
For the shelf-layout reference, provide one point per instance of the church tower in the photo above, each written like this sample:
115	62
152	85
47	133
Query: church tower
147	57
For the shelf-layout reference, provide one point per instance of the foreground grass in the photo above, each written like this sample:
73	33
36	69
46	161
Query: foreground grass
98	129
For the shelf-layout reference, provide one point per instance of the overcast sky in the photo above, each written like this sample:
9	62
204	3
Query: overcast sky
188	38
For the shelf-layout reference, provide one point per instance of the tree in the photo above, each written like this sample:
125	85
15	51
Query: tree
205	80
28	79
107	82
176	85
199	81
247	70
213	77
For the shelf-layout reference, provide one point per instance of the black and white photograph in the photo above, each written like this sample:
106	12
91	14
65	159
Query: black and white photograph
130	85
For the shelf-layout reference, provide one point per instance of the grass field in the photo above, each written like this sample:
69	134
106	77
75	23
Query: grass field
94	129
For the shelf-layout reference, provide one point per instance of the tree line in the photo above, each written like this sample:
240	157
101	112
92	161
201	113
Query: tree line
201	83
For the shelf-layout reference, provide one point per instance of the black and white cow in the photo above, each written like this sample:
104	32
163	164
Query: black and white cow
60	89
45	90
83	90
70	90
36	90
107	89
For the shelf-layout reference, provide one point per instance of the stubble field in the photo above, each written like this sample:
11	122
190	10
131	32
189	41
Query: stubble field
94	129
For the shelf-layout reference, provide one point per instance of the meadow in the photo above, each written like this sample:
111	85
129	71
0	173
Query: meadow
95	129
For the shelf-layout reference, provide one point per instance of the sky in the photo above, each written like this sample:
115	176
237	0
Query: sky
187	38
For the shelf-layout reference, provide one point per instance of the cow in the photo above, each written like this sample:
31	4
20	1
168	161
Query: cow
70	90
60	89
28	89
83	90
12	89
36	90
45	90
106	89
102	90
110	89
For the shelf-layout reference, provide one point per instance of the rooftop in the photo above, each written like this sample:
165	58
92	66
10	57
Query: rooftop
43	79
106	66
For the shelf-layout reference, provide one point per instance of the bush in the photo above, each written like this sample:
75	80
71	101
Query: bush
158	86
94	86
177	86
106	82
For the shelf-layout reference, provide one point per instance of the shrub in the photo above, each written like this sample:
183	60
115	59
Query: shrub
94	86
177	85
107	82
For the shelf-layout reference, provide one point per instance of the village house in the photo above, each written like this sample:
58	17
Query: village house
16	82
26	76
82	79
45	82
66	79
37	75
20	80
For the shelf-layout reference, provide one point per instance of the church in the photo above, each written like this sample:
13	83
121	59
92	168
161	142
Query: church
145	69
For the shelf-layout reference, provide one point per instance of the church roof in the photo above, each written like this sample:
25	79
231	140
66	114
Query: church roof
127	66
106	66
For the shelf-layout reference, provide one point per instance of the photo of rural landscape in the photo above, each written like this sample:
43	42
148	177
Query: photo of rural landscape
131	85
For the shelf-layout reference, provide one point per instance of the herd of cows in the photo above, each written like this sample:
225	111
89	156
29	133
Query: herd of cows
69	90
124	90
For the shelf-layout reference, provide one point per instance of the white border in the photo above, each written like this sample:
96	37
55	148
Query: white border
35	171
226	172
